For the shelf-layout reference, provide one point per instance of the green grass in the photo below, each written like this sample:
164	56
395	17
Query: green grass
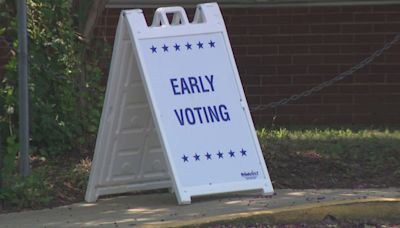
315	157
332	141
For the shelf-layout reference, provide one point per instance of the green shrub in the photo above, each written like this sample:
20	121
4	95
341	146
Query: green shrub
65	97
64	92
21	192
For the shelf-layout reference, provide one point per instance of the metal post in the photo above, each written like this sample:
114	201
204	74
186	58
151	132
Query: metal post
23	89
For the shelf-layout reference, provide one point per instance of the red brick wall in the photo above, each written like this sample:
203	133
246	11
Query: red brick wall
286	50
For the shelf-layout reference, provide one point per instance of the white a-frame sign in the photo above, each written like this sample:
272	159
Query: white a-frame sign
175	115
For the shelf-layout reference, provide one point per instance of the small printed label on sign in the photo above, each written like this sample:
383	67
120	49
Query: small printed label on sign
250	175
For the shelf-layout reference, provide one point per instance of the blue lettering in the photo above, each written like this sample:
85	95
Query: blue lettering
189	85
204	114
224	115
202	85
192	120
198	113
179	116
193	84
213	113
211	81
184	86
174	86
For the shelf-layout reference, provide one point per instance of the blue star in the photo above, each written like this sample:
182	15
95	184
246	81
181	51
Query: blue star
177	47
188	46
231	153
220	155
212	44
200	45
165	47
197	157
243	152
208	155
153	49
185	158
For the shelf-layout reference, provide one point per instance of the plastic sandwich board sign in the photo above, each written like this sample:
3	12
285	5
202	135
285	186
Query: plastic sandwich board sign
175	114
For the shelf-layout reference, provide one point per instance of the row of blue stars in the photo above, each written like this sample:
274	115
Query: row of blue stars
219	155
187	46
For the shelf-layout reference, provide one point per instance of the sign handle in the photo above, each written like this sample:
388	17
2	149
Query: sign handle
179	16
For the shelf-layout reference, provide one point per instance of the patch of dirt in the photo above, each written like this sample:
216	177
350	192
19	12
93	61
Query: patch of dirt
309	169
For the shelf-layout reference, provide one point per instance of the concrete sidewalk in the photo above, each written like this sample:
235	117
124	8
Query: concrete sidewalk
162	210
